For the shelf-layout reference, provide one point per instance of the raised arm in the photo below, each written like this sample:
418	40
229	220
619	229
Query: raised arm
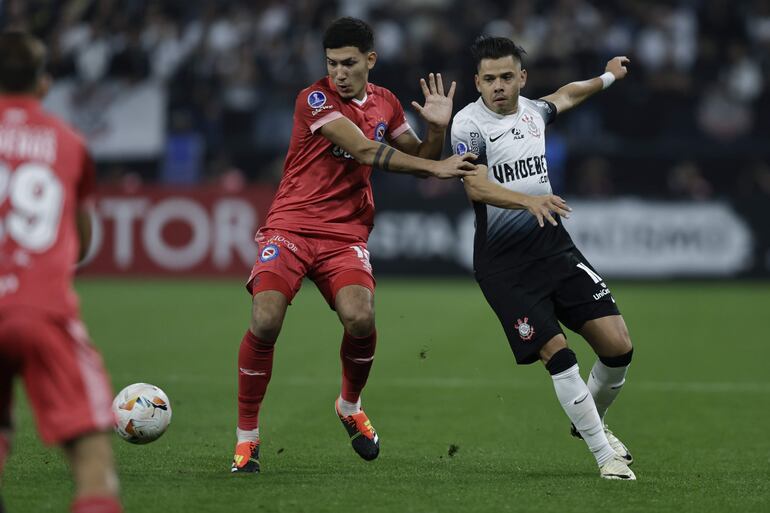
437	112
480	189
345	134
574	93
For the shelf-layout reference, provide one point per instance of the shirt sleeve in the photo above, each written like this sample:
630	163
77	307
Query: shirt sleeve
466	137
546	109
398	123
315	108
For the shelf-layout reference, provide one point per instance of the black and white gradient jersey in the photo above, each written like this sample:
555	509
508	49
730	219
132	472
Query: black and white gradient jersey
513	148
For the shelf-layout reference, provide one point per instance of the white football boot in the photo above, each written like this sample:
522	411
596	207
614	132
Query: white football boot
618	446
617	468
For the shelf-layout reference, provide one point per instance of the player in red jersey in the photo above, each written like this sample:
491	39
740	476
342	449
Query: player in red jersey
46	181
321	217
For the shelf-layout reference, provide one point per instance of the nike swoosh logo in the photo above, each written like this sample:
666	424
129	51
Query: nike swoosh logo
493	139
581	400
250	372
360	360
616	387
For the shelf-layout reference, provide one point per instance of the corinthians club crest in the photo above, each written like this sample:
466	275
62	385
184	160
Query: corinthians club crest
526	331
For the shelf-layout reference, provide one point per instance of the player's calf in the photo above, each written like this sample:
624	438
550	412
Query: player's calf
5	449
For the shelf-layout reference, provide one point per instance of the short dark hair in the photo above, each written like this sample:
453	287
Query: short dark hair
485	47
349	32
22	61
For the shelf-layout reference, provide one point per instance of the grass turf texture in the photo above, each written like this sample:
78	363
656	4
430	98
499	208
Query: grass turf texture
695	410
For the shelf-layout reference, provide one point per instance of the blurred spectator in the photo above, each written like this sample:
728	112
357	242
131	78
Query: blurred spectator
686	181
699	70
594	179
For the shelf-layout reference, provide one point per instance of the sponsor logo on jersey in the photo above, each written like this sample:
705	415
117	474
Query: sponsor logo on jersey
379	131
283	241
526	330
601	294
520	169
515	131
475	143
461	148
269	252
316	99
321	109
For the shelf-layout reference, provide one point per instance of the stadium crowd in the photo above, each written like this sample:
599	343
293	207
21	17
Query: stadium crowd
697	95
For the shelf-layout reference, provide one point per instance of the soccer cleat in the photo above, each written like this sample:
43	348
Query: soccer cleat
246	459
618	446
617	468
363	437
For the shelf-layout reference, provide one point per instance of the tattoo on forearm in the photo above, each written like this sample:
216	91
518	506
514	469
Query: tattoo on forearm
376	162
388	155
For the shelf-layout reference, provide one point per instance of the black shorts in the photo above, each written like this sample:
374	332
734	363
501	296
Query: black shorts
531	300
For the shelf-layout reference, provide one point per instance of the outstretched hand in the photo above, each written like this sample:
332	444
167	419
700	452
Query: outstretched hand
455	166
543	207
617	66
437	110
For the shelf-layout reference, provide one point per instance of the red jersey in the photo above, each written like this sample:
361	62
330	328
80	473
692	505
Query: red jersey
45	172
324	190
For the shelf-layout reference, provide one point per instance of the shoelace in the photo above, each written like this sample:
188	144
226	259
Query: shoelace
362	427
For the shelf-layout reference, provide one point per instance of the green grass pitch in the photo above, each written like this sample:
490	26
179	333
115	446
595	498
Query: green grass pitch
695	411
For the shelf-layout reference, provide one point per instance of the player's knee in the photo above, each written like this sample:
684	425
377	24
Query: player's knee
621	343
552	347
267	318
358	323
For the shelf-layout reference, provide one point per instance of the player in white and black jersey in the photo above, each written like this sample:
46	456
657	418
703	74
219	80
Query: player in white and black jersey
525	262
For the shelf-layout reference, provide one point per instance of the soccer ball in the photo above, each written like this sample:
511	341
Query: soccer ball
142	413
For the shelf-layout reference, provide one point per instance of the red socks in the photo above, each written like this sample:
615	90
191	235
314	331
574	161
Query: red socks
103	504
5	448
357	355
255	365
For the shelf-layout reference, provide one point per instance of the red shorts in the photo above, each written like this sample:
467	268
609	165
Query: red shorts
284	258
63	375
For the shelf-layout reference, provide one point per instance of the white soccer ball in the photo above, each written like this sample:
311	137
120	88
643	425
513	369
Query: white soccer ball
142	413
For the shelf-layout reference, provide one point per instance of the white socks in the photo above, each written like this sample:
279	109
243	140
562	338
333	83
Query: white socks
578	404
605	384
247	436
347	408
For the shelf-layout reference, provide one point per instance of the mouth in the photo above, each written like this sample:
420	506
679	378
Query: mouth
499	100
343	88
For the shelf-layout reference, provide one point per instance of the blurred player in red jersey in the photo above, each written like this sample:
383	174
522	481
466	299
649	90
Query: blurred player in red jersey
46	181
320	220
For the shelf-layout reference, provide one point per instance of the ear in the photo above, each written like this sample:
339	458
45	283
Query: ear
523	78
371	59
43	85
477	82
